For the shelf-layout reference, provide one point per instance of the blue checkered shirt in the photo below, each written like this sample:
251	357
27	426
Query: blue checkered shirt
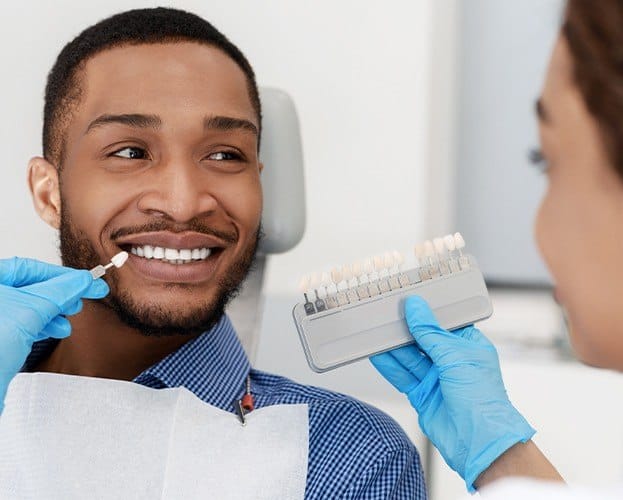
355	450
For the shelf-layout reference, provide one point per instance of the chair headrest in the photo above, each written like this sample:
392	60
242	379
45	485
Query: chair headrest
283	184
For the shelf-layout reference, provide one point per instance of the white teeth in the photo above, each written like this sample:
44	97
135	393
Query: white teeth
171	255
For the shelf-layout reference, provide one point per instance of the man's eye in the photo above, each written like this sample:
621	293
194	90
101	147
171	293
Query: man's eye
224	156
131	153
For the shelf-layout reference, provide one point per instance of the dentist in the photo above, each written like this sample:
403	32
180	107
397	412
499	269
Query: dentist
453	380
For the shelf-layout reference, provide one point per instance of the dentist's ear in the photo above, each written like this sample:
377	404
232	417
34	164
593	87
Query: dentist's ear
45	189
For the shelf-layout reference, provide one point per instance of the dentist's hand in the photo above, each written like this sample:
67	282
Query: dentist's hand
453	381
35	297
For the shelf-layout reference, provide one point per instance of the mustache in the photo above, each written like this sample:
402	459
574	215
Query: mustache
174	227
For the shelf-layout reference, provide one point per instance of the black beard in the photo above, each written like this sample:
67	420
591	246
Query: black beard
152	319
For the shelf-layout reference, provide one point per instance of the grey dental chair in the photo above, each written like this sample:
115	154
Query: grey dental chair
283	216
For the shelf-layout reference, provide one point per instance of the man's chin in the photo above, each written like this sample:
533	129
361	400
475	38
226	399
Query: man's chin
169	318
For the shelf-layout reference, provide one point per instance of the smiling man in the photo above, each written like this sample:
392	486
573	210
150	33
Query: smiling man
151	136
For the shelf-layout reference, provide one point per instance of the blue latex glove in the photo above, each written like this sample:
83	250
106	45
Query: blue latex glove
34	298
453	381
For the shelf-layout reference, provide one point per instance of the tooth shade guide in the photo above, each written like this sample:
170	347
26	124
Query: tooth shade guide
375	324
364	279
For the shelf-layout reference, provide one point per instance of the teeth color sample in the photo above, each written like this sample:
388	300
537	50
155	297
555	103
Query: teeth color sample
119	259
384	273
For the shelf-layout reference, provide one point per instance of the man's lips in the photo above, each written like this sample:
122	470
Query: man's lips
159	270
180	271
167	239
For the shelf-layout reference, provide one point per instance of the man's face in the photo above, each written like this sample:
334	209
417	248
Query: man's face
161	160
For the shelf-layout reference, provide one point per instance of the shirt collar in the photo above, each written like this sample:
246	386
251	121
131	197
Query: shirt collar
213	366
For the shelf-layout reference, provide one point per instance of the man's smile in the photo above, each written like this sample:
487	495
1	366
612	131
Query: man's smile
187	257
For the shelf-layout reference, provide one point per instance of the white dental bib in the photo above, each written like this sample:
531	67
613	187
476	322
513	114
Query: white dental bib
66	437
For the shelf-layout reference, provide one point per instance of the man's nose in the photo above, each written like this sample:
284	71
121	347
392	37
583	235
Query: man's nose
179	190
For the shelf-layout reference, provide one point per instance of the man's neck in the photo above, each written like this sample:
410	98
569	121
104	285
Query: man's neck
102	346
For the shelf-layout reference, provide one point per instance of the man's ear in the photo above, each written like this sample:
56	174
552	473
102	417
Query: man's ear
261	165
45	189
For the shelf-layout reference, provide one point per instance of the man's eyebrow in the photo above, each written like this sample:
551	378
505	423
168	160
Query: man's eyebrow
131	120
225	123
540	111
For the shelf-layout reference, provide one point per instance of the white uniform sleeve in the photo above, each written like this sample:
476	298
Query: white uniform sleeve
521	489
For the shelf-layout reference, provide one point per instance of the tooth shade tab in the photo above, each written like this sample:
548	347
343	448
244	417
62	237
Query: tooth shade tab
378	263
388	260
325	279
398	258
119	259
439	245
346	273
314	281
304	284
449	242
419	250
459	241
336	275
429	249
357	269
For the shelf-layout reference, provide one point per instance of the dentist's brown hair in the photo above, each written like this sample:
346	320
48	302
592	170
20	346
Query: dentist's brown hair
594	33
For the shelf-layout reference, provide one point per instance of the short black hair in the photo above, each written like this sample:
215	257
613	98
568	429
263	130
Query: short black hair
133	27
